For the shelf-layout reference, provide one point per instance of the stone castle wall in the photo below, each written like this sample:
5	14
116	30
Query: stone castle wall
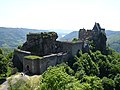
45	46
71	47
91	34
85	34
41	43
18	58
53	52
39	65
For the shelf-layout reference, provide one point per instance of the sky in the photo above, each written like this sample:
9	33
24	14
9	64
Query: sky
60	14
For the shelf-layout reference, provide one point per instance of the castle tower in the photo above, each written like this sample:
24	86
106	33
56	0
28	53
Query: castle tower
97	28
82	34
40	43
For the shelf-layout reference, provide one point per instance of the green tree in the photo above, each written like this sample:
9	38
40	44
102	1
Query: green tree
74	39
117	81
84	62
95	82
55	78
5	63
1	51
108	84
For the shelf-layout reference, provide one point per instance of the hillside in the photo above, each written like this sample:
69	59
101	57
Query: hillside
70	36
113	38
12	37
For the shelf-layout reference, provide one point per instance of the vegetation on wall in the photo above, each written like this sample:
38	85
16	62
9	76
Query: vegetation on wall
32	57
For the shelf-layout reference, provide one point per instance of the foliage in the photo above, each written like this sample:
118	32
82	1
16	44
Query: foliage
5	63
86	71
56	78
108	84
74	40
95	64
94	82
32	57
84	62
19	46
117	81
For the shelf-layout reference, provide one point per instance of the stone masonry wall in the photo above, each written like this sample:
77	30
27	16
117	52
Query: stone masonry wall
41	43
72	47
31	65
38	66
18	58
45	46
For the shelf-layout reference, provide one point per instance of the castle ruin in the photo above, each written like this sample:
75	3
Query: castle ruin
97	35
50	52
47	51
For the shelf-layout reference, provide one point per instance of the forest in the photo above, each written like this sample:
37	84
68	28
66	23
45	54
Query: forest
6	65
85	71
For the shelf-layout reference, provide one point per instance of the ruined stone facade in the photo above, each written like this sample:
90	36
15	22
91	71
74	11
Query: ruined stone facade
39	65
97	34
90	34
85	34
51	52
41	43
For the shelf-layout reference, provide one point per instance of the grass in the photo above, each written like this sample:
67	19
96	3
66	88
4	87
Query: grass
32	57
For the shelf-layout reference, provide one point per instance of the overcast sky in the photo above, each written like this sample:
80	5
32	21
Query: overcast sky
60	14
